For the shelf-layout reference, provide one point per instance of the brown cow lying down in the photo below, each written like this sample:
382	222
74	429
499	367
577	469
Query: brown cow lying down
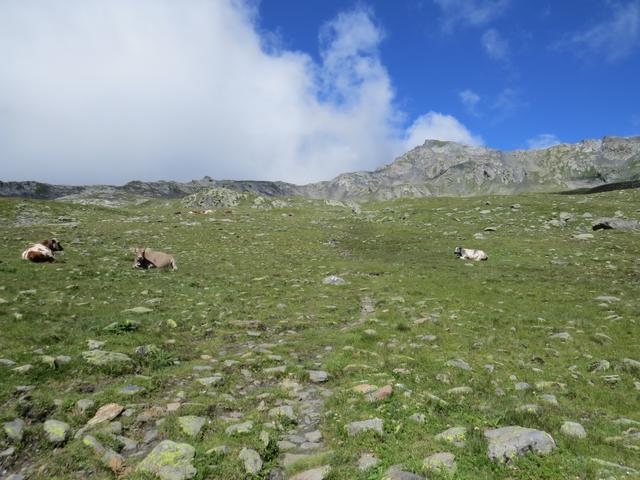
470	254
43	251
146	258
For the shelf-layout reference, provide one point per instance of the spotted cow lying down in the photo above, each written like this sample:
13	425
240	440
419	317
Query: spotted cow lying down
470	254
42	251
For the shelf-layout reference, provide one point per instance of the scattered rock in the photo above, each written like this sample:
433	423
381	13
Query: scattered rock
318	376
444	462
191	425
251	459
333	280
458	363
56	431
367	461
507	443
103	357
395	472
14	429
319	473
208	381
170	461
106	413
573	429
285	411
245	427
615	224
373	424
456	435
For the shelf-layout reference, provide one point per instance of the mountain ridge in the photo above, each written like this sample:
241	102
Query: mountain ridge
435	168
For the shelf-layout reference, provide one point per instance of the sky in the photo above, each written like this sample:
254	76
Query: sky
107	92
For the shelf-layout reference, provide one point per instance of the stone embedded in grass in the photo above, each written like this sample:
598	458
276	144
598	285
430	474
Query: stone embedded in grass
318	376
132	390
318	473
23	368
95	344
564	336
531	408
395	472
460	391
599	366
631	365
333	280
138	310
251	459
520	386
507	443
106	413
418	418
170	461
56	431
6	362
550	399
105	358
573	429
458	363
208	381
367	461
380	394
14	429
191	424
442	462
293	458
284	411
455	435
364	388
244	427
373	424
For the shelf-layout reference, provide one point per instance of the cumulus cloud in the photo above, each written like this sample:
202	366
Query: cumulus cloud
614	38
496	46
94	91
544	140
470	12
437	126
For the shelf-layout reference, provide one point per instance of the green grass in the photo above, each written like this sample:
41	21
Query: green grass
268	265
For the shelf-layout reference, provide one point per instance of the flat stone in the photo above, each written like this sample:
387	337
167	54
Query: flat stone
373	424
251	459
520	386
364	388
191	425
95	344
56	431
318	376
460	391
138	310
615	224
507	443
531	408
333	280
14	429
114	461
132	390
367	461
631	365
23	368
564	336
319	473
245	427
395	472
106	413
85	404
418	418
443	461
6	362
573	429
458	363
285	411
103	357
381	393
208	381
7	452
549	398
170	461
314	436
455	435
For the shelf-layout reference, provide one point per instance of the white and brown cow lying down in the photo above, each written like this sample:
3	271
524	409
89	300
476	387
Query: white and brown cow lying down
42	251
470	254
146	258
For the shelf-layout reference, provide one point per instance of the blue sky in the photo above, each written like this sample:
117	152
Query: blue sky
301	91
569	69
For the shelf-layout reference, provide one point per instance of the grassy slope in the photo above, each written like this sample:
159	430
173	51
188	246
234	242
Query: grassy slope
268	266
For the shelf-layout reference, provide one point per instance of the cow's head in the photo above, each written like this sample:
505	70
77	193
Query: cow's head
53	245
458	251
140	261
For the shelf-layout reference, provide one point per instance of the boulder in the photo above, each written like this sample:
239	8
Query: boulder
507	443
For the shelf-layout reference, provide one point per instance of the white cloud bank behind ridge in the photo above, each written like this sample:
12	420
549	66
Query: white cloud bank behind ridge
106	92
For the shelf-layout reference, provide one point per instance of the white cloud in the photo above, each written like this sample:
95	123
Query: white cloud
496	46
105	92
436	126
508	102
615	38
470	12
544	140
470	100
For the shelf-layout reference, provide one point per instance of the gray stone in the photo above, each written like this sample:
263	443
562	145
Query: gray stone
319	473
56	431
615	224
170	461
103	357
14	429
573	429
564	336
245	427
191	425
318	376
631	365
132	390
106	413
458	363
418	418
208	381
455	435
550	399
285	411
6	362
251	459
395	472
522	386
85	404
443	461
333	280
373	424
367	461
507	443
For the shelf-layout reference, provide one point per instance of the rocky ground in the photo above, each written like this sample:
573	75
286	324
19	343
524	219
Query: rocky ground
310	340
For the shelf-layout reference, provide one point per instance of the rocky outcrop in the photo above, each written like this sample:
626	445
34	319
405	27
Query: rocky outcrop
436	168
